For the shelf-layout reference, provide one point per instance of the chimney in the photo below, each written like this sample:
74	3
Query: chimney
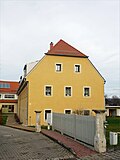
51	45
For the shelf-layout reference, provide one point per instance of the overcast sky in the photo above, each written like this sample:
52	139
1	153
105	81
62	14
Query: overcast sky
92	26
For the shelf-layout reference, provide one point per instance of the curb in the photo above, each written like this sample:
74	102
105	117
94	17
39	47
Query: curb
24	129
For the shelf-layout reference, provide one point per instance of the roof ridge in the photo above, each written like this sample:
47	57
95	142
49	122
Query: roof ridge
67	50
71	46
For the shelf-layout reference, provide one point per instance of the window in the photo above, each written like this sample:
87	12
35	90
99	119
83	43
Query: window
11	108
4	106
4	85
68	91
9	96
46	112
76	68
67	111
58	67
86	112
48	90
8	108
86	91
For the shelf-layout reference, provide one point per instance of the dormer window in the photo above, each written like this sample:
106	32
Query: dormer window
58	67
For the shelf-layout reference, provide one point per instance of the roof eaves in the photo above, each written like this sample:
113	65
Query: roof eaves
22	86
35	66
78	56
98	71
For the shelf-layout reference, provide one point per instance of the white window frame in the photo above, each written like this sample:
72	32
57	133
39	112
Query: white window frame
9	96
57	71
75	68
44	113
65	91
67	110
89	91
45	90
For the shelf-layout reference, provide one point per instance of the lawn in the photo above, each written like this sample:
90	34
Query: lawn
113	126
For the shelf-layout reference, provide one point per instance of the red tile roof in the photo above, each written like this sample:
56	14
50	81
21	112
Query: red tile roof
13	87
64	49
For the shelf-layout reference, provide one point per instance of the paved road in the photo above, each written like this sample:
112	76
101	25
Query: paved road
21	145
104	156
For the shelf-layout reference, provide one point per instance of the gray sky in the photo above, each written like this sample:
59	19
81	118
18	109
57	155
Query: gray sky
92	26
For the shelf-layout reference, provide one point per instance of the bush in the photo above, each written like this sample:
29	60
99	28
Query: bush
4	120
78	112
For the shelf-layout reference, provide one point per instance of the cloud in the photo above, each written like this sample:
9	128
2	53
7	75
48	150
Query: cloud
27	28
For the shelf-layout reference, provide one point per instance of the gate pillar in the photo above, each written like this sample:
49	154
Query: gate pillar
38	126
100	139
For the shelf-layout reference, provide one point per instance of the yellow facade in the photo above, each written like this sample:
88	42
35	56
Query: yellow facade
33	95
23	106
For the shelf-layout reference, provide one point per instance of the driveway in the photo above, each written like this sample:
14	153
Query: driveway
21	145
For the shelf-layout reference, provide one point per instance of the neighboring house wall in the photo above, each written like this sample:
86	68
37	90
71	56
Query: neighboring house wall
23	105
118	112
44	74
113	110
113	106
8	102
107	112
8	96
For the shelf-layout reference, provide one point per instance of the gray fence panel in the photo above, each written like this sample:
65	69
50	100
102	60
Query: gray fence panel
76	126
85	129
68	124
57	125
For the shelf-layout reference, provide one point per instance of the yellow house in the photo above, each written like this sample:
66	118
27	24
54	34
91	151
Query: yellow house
63	81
